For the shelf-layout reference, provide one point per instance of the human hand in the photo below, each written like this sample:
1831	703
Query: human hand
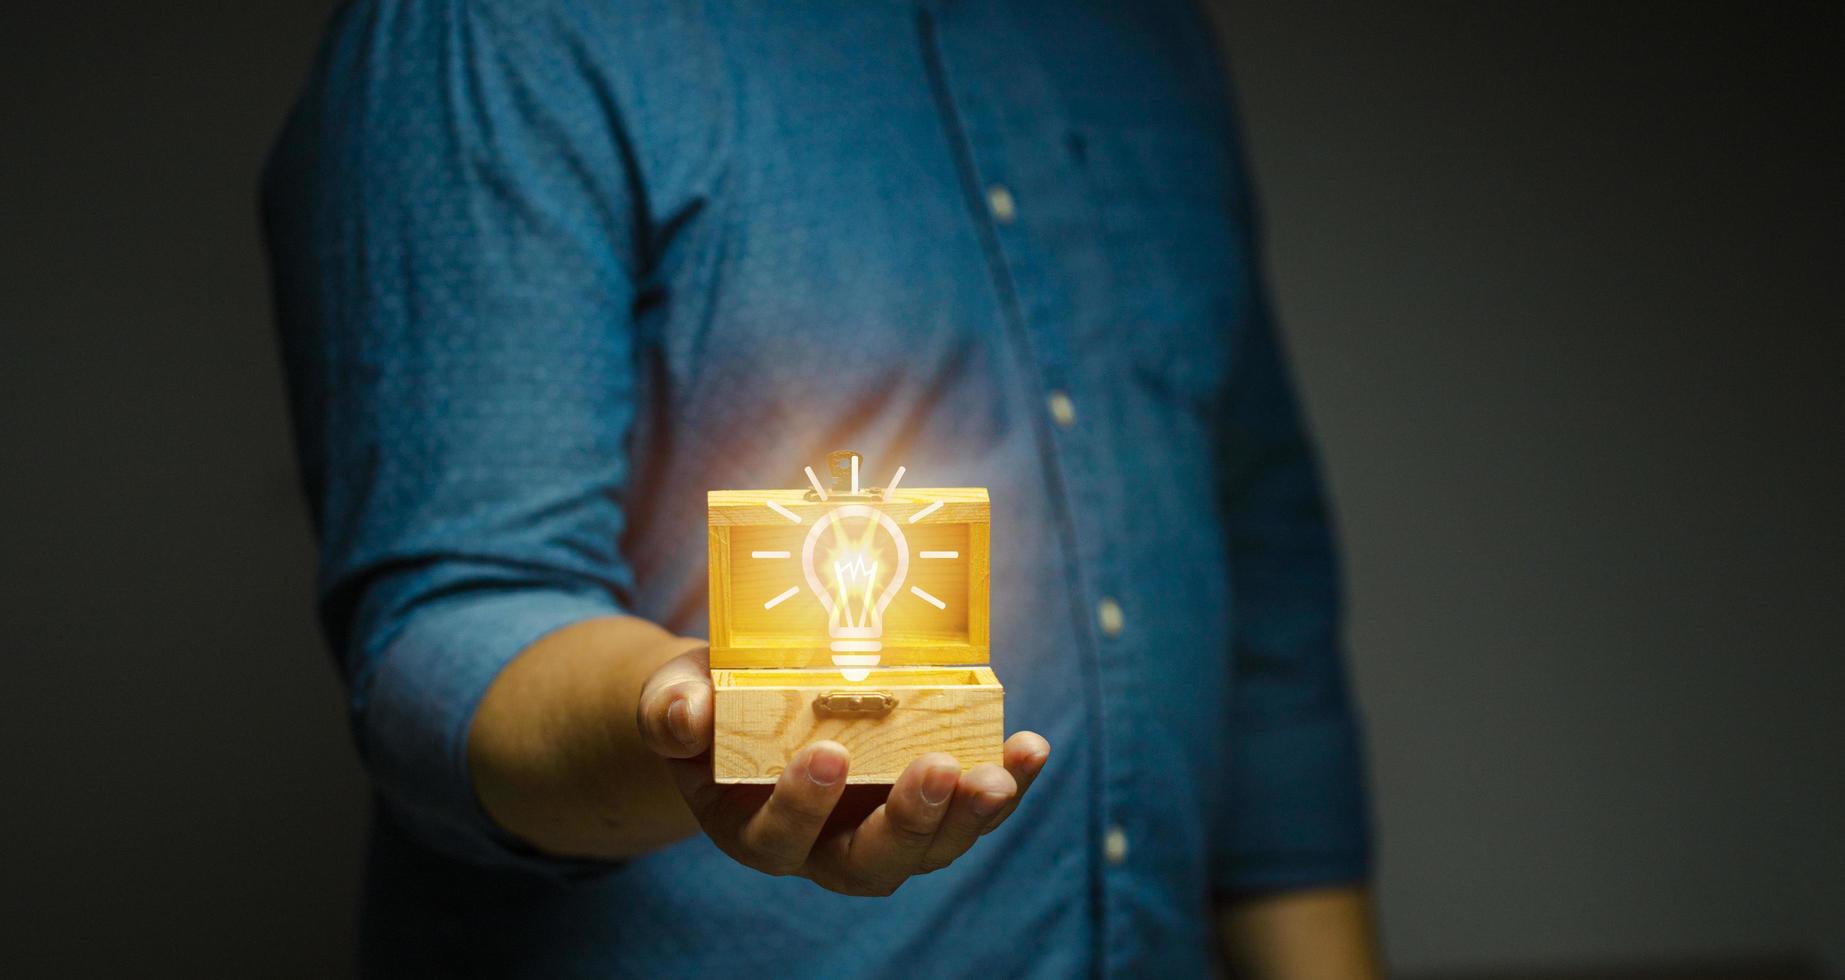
855	840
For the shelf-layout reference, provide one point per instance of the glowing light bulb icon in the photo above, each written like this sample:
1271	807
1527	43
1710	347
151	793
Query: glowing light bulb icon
855	581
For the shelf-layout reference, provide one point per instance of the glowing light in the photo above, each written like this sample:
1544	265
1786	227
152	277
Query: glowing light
855	476
778	554
785	512
938	554
855	667
856	567
863	583
784	597
926	597
926	511
892	489
811	478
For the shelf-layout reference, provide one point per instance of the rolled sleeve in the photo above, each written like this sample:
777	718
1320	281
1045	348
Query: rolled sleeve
1296	812
452	240
1300	818
422	700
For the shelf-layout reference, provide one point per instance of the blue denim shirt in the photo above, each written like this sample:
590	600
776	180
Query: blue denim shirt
548	271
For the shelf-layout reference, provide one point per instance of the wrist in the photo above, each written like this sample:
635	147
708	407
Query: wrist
552	750
1293	935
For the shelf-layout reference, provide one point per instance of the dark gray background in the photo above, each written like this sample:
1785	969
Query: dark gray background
1564	288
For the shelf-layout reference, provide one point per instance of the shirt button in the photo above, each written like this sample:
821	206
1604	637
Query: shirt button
1004	208
1063	410
1114	845
1108	616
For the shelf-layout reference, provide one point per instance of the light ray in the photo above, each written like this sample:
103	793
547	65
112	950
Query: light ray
867	610
926	511
892	489
785	512
841	605
842	542
932	554
784	597
926	597
776	554
811	478
855	476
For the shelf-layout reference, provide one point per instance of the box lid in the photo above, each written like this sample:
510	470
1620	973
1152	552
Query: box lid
853	581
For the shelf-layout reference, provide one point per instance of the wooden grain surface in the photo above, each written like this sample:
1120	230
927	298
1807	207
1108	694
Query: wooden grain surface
764	717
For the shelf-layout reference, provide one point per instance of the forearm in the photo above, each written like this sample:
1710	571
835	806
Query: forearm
1295	935
554	751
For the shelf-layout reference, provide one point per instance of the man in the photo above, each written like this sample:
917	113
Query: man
548	271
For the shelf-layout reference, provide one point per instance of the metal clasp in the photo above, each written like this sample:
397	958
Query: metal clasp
839	479
854	704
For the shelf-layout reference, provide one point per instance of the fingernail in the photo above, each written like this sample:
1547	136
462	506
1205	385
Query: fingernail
987	804
825	767
679	721
939	784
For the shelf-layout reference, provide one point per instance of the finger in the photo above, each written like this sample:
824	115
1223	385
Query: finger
777	838
674	710
984	791
888	847
1025	754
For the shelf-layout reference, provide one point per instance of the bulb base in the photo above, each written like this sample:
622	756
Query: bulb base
855	666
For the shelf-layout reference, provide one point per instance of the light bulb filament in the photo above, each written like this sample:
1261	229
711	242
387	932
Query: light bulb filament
852	571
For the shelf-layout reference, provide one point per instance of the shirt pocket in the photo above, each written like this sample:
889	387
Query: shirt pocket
1176	229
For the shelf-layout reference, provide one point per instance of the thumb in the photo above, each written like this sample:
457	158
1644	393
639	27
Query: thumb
674	713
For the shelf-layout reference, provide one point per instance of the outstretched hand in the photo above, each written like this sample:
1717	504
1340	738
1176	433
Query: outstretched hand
857	840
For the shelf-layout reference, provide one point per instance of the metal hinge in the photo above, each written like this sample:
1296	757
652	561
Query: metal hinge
854	704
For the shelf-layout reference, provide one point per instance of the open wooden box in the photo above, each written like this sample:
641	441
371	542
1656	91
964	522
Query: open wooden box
896	669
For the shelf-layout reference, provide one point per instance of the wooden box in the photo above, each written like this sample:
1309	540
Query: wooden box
855	618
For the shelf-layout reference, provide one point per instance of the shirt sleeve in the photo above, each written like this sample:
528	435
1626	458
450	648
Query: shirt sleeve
1297	813
449	228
